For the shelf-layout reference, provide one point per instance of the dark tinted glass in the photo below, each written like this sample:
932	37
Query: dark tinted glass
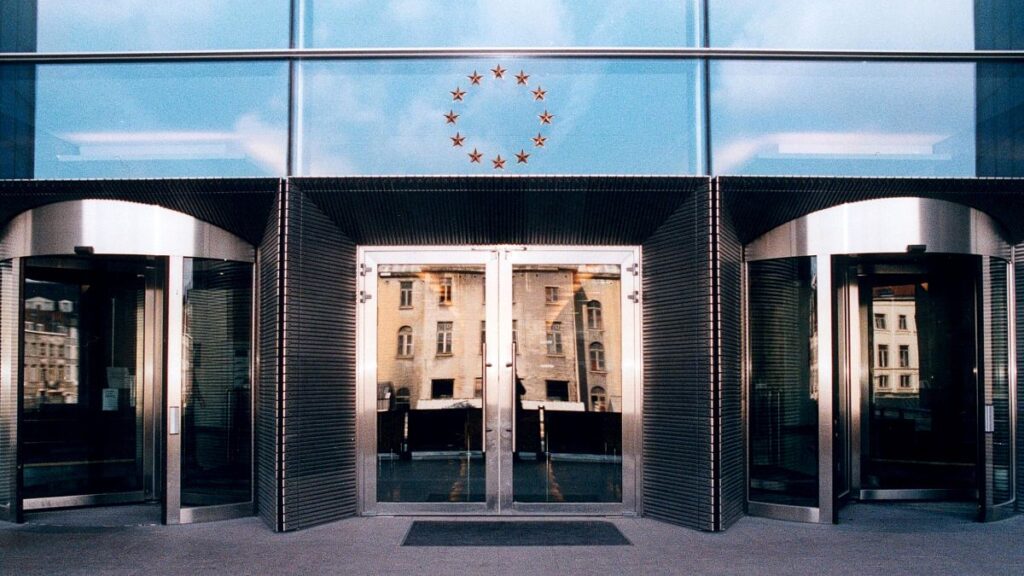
783	395
216	442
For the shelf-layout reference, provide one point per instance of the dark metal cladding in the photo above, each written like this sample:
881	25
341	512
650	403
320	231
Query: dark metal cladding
268	263
317	409
679	397
239	205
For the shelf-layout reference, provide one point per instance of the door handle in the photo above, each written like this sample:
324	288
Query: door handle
516	404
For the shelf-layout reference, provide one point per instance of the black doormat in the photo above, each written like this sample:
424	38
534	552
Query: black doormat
513	533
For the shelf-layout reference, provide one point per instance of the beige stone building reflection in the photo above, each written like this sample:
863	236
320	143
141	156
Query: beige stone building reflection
566	325
51	352
896	359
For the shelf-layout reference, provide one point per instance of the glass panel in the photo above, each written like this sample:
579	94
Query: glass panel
921	429
841	25
216	440
157	120
429	436
997	382
82	398
9	305
483	23
126	25
541	116
568	410
840	118
783	397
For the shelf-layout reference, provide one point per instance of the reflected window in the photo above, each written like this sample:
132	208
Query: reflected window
478	387
904	380
883	355
879	321
405	342
597	357
554	339
883	380
598	399
444	292
551	294
594	321
442	388
902	322
402	397
444	338
405	294
557	390
904	356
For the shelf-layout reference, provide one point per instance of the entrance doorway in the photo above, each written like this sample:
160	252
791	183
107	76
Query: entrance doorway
499	380
912	384
88	396
879	339
126	362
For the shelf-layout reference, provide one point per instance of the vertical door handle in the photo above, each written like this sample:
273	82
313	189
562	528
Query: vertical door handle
990	418
516	402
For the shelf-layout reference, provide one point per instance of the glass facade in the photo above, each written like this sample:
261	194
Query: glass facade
480	23
460	117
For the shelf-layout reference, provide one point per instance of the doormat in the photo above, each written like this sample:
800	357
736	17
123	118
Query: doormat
513	533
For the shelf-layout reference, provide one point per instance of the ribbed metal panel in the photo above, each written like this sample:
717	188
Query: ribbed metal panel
268	314
731	450
1018	272
454	210
238	205
678	482
318	479
760	203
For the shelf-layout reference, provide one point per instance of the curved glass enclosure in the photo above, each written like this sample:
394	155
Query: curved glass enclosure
130	349
879	365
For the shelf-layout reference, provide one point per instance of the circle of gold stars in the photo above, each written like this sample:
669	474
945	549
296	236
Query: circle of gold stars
498	74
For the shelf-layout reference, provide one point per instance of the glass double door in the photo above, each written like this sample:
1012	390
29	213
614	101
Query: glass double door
498	380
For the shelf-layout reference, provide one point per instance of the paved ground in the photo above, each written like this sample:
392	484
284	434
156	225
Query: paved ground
873	539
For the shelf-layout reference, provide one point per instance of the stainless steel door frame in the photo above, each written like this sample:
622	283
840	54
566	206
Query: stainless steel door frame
11	321
370	260
628	260
498	395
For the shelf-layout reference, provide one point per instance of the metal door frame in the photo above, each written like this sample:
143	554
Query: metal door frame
871	227
86	228
498	394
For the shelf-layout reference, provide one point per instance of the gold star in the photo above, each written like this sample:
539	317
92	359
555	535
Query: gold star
521	157
499	72
457	94
499	163
451	117
539	93
538	140
521	78
475	78
475	156
457	139
545	118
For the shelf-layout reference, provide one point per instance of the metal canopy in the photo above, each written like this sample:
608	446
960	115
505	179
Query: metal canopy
758	204
460	210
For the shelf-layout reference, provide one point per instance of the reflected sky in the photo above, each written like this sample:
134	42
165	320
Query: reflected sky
843	118
122	25
842	25
483	23
156	120
624	117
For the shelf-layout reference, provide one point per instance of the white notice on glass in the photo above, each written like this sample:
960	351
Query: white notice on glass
110	396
